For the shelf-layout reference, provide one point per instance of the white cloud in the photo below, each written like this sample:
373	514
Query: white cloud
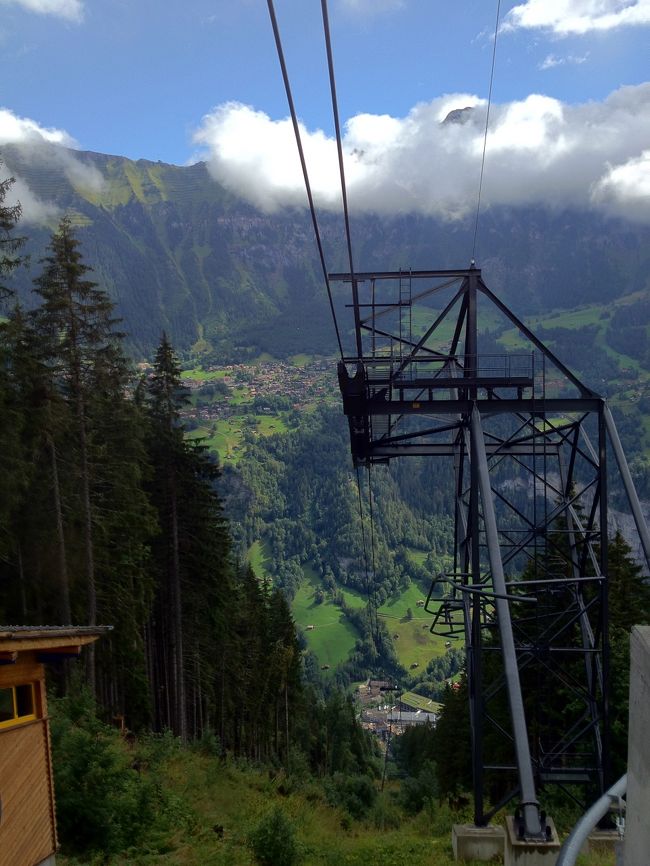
34	210
539	150
552	60
70	9
564	17
22	130
625	188
41	144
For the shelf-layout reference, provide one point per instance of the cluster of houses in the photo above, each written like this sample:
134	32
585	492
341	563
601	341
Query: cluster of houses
300	385
386	713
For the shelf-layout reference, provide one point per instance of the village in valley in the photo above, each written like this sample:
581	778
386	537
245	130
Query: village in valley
386	713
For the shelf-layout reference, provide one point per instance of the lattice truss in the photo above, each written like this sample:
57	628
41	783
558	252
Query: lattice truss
528	589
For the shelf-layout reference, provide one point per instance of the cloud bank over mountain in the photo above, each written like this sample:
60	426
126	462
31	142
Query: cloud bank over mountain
44	145
539	151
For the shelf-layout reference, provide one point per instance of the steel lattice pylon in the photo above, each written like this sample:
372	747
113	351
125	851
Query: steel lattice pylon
528	589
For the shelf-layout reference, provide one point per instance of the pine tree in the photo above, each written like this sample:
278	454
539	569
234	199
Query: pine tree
166	398
94	443
629	592
10	243
188	628
75	321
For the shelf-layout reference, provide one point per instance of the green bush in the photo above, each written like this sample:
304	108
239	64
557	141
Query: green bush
385	814
103	803
273	840
355	794
422	789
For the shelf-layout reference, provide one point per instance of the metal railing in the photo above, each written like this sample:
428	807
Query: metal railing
577	837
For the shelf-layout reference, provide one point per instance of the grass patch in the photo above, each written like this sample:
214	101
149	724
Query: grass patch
269	425
419	557
415	645
264	358
258	557
240	395
396	607
301	360
198	374
332	636
226	440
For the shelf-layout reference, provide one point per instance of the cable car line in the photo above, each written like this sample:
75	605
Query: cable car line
372	547
365	557
487	123
305	174
339	148
372	601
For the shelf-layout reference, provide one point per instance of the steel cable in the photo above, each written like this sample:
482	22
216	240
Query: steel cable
487	123
296	130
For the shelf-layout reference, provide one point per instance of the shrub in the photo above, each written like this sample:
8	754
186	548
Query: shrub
273	840
355	794
418	791
384	814
103	803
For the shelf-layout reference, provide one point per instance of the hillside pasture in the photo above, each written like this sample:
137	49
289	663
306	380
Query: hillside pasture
258	556
332	636
198	374
415	645
227	439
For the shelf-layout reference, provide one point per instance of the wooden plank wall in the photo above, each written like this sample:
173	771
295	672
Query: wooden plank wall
27	828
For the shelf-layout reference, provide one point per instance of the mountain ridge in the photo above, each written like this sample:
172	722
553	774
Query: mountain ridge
178	252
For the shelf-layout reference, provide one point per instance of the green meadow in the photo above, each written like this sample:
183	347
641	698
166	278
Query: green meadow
198	374
332	636
413	642
225	436
259	558
301	360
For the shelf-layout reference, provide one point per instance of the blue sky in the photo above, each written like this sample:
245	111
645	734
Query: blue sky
170	80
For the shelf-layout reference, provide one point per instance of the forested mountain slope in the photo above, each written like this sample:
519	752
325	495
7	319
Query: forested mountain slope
177	252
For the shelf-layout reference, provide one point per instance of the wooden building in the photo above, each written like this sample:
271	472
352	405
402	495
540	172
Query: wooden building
27	810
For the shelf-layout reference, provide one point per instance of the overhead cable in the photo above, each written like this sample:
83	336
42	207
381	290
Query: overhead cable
344	194
487	123
305	174
372	547
365	557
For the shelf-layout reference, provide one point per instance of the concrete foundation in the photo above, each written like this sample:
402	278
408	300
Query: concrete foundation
518	853
49	861
601	842
477	843
637	826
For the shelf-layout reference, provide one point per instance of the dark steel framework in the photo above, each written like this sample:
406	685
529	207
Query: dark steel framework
528	588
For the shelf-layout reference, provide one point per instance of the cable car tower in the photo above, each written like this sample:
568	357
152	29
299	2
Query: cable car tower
529	444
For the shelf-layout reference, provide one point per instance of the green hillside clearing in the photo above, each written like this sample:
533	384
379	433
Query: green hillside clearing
329	635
